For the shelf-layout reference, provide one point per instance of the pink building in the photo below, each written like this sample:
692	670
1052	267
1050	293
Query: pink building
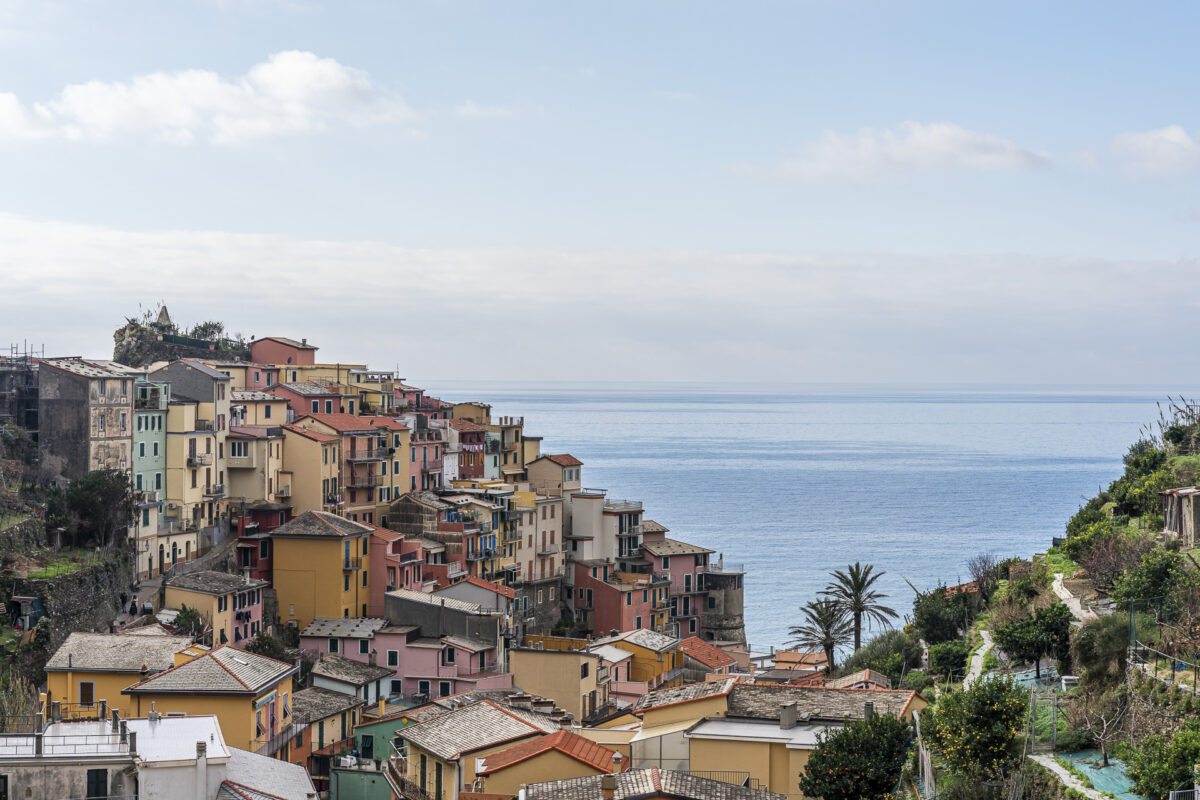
425	459
420	666
395	563
282	350
231	604
684	566
607	600
308	398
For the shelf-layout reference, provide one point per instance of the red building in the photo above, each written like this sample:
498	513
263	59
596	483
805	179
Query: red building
394	563
308	398
282	350
607	600
470	444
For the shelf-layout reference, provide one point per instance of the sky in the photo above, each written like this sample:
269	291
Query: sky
756	191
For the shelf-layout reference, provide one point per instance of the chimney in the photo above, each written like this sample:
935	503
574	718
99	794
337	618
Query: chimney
608	786
373	657
201	768
868	710
304	341
617	759
116	719
787	716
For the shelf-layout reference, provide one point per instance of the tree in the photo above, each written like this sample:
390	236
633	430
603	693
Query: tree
102	501
1100	650
975	731
1054	622
938	616
1156	580
264	644
861	761
1102	714
826	626
852	590
949	658
1047	632
983	571
189	621
1164	762
892	652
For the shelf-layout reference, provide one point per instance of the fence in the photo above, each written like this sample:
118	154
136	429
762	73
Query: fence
1183	794
1174	670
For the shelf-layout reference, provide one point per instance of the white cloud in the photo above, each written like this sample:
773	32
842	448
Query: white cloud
910	147
1164	151
472	110
290	92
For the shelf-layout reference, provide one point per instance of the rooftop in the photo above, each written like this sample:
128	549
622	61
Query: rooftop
503	591
202	368
344	627
684	694
473	727
448	602
563	460
320	524
90	368
672	547
647	783
340	668
248	396
223	670
764	701
707	654
569	744
164	739
287	341
212	582
316	436
466	426
309	389
862	676
266	778
117	652
658	642
310	705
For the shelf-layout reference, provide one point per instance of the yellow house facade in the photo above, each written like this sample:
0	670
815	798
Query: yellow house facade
228	604
552	757
319	567
657	659
249	694
192	465
574	679
258	408
310	467
90	667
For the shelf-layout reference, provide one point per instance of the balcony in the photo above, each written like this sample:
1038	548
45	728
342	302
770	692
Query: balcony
431	466
547	550
274	744
146	498
204	425
378	454
215	490
351	563
480	555
364	481
722	568
283	491
199	459
333	501
455	571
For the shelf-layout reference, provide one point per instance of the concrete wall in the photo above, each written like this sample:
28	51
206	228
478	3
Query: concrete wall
438	620
63	439
56	779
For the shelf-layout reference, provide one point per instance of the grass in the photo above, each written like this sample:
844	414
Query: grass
1057	561
1070	767
65	562
990	661
10	518
1044	725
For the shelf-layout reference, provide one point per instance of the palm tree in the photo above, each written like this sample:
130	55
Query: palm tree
826	626
852	591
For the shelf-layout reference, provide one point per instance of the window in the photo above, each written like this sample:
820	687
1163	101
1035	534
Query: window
154	449
637	623
397	687
539	597
345	583
267	411
449	655
328	406
645	595
583	670
364	572
395	467
443	691
629	598
552	588
100	422
712	602
692	626
193	479
316	406
145	522
364	645
666	562
97	783
393	660
138	481
87	693
423	688
239	449
263	551
412	455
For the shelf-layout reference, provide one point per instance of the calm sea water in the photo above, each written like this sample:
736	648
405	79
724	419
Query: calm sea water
797	480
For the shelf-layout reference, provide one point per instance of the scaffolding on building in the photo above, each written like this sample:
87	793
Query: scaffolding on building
19	386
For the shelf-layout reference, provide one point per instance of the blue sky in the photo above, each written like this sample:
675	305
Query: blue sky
851	190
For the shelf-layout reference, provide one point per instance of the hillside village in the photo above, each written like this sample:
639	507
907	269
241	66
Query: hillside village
237	570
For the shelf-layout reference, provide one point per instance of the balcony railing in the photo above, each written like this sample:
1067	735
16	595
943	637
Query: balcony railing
431	466
215	490
199	459
351	563
364	481
726	567
204	425
377	454
547	550
455	571
283	491
332	500
274	744
480	555
147	497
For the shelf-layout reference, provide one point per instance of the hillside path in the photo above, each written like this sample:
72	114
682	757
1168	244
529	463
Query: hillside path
1066	778
1080	613
976	666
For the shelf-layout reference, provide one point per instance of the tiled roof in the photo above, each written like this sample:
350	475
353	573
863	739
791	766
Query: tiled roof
862	676
808	658
287	341
203	369
471	645
471	728
650	526
254	432
428	599
212	582
310	705
672	547
707	654
569	744
503	591
565	460
763	701
385	423
647	783
466	426
316	436
153	629
342	423
658	642
117	652
307	388
320	524
344	627
224	670
340	668
247	395
89	368
683	694
267	777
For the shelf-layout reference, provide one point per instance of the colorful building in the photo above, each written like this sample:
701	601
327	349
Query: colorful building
312	464
319	567
230	605
88	668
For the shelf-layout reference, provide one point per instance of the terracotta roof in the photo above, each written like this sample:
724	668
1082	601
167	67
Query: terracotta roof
320	524
342	423
569	744
220	671
287	341
504	591
683	694
707	654
650	526
672	547
466	426
316	436
793	659
652	782
565	460
385	423
862	676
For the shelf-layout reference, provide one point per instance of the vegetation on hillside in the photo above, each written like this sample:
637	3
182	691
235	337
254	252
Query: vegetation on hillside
153	336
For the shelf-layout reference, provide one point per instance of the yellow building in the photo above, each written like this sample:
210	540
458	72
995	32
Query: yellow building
230	605
90	667
254	460
311	469
249	694
657	659
442	752
553	757
473	411
319	567
192	494
368	456
574	679
258	408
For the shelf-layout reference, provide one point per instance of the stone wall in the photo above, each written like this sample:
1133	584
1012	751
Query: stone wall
28	536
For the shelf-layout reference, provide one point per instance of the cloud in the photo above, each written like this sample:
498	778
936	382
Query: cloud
472	110
632	315
1164	151
291	92
910	147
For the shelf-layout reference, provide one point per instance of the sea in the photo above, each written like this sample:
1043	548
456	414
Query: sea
795	480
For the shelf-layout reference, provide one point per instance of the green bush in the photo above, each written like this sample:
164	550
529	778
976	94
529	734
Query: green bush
949	658
975	732
892	653
939	617
1074	740
1081	543
917	681
1164	762
863	759
1155	583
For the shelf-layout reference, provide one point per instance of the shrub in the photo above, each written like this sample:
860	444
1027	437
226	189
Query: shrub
863	759
891	653
975	731
1074	740
1080	544
917	681
1155	582
949	658
1164	762
939	617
